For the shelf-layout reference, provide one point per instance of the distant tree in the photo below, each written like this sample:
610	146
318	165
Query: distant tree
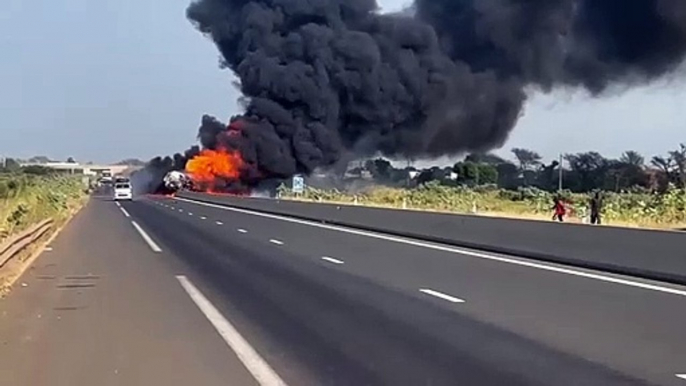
488	174
678	158
383	168
628	171
379	168
71	160
467	172
527	158
508	175
485	158
633	158
665	165
547	176
587	170
472	173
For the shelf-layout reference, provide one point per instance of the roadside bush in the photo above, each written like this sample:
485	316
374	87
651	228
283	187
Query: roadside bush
28	199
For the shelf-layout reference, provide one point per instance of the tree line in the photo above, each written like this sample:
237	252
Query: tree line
581	172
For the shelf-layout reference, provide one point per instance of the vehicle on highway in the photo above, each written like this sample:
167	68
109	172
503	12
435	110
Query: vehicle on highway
176	181
123	191
106	177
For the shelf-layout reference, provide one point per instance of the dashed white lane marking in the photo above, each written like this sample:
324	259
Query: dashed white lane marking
332	260
682	376
126	214
190	213
258	367
203	218
180	210
219	223
456	250
241	230
275	241
151	243
441	295
48	249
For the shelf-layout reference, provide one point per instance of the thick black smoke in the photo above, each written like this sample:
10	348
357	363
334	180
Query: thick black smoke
323	78
327	76
589	43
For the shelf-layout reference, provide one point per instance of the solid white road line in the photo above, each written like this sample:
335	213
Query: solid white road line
456	250
258	367
241	230
682	376
117	203
332	260
126	214
441	295
148	239
275	241
219	223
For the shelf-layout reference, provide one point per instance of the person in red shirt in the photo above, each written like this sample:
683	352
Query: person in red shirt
559	209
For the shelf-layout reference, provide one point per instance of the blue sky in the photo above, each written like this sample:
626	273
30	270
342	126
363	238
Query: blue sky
111	79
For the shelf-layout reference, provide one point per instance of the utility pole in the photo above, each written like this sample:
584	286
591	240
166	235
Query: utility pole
559	186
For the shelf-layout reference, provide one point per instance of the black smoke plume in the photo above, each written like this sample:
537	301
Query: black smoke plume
323	78
588	43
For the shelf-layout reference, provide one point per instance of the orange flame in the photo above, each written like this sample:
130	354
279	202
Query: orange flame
210	165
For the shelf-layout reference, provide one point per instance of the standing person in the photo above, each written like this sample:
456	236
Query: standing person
559	209
596	208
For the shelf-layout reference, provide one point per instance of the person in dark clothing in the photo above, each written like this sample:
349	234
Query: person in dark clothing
559	209
596	208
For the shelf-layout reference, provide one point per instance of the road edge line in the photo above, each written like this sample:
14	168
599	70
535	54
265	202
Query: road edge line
253	362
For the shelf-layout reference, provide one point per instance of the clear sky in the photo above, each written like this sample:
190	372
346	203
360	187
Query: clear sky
111	79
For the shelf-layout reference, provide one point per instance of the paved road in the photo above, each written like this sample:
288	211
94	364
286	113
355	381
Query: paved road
214	296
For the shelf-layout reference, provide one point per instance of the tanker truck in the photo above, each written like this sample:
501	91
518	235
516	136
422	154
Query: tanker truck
176	181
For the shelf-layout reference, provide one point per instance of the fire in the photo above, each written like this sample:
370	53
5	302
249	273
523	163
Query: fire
209	166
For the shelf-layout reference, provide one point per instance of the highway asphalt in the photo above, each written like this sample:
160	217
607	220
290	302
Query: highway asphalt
164	292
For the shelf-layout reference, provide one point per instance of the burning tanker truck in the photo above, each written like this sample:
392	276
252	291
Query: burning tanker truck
175	181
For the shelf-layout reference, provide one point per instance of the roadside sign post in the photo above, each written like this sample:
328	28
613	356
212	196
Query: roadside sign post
298	185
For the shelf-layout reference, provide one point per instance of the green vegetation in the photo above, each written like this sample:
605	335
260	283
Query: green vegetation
31	195
637	207
635	192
